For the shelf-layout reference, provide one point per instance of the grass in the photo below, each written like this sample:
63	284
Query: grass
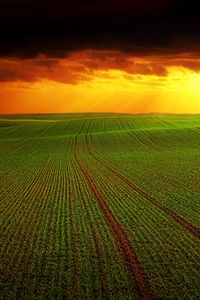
100	206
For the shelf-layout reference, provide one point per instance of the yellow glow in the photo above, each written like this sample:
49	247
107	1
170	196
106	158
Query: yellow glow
107	90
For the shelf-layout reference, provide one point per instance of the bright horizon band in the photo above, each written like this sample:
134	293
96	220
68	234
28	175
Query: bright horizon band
100	82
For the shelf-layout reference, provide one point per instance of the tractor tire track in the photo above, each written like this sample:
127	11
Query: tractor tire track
195	231
125	248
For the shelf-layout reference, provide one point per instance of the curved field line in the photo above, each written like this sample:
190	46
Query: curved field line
126	249
90	212
150	142
14	148
103	275
22	143
186	224
76	267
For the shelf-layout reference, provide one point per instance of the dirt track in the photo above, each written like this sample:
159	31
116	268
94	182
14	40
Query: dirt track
186	224
123	243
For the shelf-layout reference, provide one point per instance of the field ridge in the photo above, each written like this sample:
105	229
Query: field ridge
126	249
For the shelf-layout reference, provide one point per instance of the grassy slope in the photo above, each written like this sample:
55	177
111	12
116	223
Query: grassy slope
58	241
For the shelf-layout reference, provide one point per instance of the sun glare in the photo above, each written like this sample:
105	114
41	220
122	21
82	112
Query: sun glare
178	91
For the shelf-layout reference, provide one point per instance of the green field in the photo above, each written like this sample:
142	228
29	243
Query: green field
100	206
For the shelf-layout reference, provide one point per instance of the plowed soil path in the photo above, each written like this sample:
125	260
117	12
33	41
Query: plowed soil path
195	231
123	243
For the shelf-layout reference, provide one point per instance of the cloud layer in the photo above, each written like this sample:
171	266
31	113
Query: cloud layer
55	28
83	66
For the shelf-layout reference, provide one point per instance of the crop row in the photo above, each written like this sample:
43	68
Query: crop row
112	191
85	213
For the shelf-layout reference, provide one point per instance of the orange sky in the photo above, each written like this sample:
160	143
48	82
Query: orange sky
104	81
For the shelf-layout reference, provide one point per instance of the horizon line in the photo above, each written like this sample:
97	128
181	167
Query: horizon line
97	112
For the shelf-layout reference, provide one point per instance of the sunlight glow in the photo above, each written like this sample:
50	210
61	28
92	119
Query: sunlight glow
108	89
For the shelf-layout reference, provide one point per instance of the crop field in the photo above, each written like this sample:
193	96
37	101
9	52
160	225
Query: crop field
100	206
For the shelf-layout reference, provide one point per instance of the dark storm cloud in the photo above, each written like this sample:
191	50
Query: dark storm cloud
54	28
77	67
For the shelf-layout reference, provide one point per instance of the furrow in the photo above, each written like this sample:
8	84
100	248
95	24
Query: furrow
186	224
127	251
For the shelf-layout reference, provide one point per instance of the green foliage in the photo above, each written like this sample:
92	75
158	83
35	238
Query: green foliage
58	239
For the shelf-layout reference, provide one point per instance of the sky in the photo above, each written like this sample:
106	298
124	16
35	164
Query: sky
99	56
